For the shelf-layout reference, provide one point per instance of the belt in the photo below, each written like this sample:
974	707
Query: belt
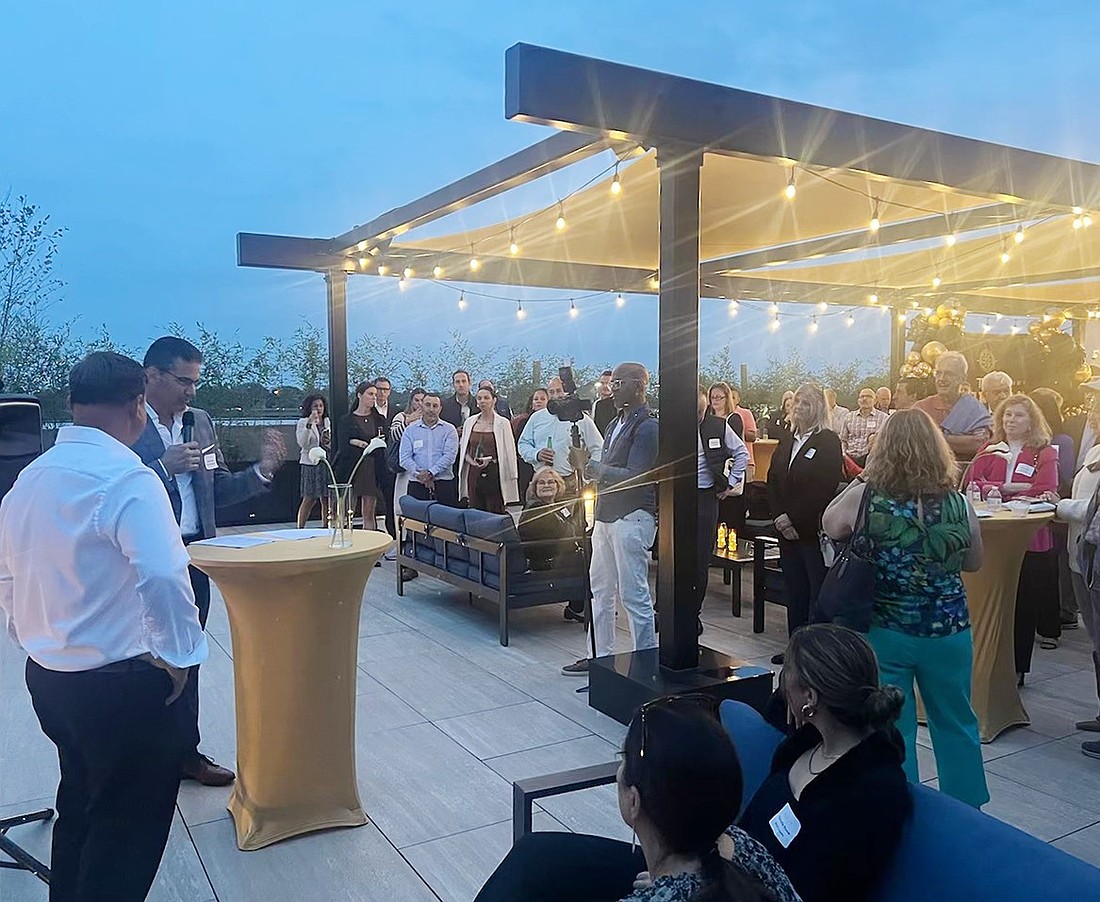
128	666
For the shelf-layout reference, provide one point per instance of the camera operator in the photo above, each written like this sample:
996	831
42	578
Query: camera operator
550	433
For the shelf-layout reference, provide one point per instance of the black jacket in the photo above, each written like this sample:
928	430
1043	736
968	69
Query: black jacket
452	411
603	412
803	489
851	817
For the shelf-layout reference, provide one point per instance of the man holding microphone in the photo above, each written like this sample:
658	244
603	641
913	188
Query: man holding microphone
180	445
94	587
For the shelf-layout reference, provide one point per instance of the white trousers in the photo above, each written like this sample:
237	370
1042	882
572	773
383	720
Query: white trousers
620	567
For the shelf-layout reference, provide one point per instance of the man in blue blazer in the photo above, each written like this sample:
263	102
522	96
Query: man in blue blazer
198	483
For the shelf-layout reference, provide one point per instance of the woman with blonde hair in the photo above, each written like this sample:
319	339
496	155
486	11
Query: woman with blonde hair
1021	462
720	398
921	534
805	473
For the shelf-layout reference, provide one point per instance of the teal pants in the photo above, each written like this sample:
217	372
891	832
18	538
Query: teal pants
941	668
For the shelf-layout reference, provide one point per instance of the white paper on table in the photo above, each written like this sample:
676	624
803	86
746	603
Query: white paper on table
295	535
236	541
1041	507
982	514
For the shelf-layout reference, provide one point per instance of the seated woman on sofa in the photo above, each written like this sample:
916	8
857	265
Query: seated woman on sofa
831	811
547	515
679	787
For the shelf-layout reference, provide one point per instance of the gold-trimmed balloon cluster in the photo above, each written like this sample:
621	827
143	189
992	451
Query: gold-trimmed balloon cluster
946	315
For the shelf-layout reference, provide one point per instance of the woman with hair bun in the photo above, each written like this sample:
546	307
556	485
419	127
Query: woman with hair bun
832	809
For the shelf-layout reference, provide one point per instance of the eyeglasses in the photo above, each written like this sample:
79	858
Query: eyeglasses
183	380
619	383
696	700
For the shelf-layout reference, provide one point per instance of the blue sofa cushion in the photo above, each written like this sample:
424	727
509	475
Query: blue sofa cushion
952	851
415	509
451	518
495	528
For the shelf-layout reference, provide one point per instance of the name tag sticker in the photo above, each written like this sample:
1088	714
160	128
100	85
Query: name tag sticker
418	443
1025	470
714	443
210	461
810	454
785	826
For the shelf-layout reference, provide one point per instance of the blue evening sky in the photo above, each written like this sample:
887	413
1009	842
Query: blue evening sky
154	132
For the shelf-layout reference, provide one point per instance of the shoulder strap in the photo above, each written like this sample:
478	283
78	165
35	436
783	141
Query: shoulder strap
861	517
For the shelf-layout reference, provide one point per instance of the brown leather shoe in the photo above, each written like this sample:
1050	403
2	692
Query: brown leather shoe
206	772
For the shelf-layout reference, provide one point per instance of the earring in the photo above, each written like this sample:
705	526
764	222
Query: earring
633	840
808	710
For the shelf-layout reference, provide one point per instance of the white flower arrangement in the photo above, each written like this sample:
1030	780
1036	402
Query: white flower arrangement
319	455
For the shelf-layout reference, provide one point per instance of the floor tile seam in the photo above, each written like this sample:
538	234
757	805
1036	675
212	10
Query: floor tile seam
1074	832
547	745
1088	809
1047	740
529	701
362	667
424	842
393	846
198	854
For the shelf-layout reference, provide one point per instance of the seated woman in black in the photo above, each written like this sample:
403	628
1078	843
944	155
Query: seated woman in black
832	809
679	788
549	515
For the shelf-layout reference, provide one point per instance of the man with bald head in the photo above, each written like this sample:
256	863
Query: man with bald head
966	424
626	506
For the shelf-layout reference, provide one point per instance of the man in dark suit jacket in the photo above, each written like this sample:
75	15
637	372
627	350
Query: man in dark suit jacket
806	470
198	483
386	479
453	406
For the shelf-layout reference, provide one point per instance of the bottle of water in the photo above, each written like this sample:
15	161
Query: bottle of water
974	493
993	499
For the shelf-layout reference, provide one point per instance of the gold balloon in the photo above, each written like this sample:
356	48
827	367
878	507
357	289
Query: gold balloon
912	358
943	310
934	319
931	351
1083	374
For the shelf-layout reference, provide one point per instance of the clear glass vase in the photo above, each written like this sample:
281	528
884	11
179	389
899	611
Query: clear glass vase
341	515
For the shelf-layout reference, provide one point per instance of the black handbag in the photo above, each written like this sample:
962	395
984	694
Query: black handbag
847	595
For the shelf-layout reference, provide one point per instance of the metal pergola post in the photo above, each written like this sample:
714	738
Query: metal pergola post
678	366
336	282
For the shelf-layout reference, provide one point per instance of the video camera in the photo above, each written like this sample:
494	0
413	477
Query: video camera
569	409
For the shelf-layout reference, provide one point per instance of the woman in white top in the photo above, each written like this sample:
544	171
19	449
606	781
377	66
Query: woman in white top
401	420
313	431
488	471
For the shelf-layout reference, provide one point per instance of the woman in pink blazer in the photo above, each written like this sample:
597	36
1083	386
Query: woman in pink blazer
1022	463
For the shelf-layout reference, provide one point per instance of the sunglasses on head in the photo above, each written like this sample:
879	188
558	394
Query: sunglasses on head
695	701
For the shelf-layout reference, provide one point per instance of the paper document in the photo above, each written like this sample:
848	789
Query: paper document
294	535
1041	507
236	541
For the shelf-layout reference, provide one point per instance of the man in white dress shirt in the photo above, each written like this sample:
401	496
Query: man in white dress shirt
547	440
94	587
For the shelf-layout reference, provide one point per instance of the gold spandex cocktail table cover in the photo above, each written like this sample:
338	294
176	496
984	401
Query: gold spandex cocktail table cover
294	616
991	598
762	451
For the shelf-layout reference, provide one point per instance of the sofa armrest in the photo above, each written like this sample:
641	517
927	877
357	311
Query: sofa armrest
524	792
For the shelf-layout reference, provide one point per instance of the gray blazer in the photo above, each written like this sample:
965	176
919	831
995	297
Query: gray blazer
214	489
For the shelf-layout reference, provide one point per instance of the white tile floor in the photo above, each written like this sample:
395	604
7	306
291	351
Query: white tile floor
447	719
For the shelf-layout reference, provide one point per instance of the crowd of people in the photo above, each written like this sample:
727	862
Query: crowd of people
140	474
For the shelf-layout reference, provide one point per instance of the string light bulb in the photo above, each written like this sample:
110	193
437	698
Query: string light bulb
876	223
560	224
520	312
1005	255
513	248
813	325
936	281
872	298
884	310
408	272
437	271
822	306
620	301
773	323
475	264
986	326
573	311
1015	329
1018	235
364	262
774	309
1086	220
654	282
362	245
850	320
790	191
616	185
383	269
1078	221
733	308
403	283
901	316
462	304
951	238
998	316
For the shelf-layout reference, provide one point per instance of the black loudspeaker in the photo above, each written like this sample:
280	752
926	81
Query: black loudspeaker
20	436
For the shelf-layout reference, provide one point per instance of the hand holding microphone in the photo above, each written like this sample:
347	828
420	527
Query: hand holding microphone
183	458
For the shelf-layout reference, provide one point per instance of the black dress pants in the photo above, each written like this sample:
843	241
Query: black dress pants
120	749
446	492
189	698
704	545
803	573
564	867
1036	604
387	482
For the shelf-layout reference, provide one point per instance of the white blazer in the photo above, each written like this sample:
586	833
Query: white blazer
506	458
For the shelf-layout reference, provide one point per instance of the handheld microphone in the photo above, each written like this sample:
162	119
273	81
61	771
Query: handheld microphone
188	425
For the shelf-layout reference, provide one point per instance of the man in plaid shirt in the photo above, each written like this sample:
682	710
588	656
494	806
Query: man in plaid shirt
860	425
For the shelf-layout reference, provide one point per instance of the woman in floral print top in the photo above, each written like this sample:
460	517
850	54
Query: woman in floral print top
921	533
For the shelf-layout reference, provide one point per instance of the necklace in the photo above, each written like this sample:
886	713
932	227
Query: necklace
828	758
